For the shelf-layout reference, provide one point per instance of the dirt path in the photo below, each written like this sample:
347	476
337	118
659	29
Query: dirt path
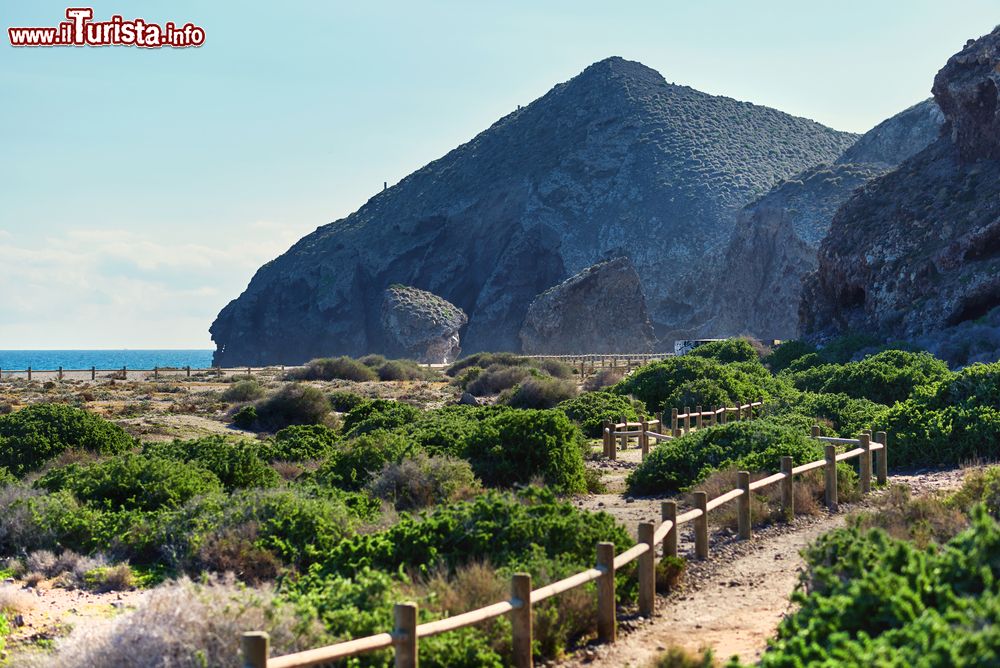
733	602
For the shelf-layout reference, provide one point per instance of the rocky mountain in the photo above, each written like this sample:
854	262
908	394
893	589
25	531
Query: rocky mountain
614	162
776	238
916	253
600	310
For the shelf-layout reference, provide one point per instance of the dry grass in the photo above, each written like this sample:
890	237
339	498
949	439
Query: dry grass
15	601
678	657
183	624
603	378
924	520
765	504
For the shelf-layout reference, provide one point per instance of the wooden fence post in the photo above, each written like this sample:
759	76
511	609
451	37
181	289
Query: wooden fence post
93	373
60	373
606	433
815	431
699	420
156	372
787	489
883	457
124	373
612	444
701	526
831	477
866	463
606	593
29	373
405	635
644	439
248	371
256	649
668	512
647	570
188	370
725	415
520	619
674	431
624	421
687	420
743	505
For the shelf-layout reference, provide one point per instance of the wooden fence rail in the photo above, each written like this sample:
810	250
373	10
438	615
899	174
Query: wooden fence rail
404	638
680	424
123	373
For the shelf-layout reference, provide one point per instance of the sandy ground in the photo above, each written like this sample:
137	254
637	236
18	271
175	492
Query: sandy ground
49	612
733	602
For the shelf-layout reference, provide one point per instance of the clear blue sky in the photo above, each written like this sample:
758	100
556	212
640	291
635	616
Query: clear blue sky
140	189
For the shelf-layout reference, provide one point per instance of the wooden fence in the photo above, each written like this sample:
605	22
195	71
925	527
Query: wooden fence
406	634
596	361
680	424
126	373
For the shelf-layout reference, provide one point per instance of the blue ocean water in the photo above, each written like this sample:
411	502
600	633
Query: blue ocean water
104	359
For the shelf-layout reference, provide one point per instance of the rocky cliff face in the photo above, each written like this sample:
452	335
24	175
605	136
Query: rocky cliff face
615	162
916	253
600	310
419	325
776	238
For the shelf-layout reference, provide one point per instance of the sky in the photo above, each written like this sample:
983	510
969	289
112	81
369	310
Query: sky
141	188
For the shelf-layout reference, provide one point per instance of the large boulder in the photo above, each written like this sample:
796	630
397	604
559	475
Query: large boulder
420	325
916	253
615	162
600	310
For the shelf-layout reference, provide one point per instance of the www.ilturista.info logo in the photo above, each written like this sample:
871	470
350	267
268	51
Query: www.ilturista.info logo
81	30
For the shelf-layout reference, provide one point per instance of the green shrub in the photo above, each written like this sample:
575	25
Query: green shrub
293	404
499	527
847	417
444	431
467	375
654	383
955	422
553	367
373	361
342	402
354	462
872	600
498	379
298	525
335	368
378	414
424	481
245	418
704	392
38	433
484	360
752	446
405	370
787	353
591	409
727	351
132	482
243	390
236	465
886	377
302	443
515	446
541	393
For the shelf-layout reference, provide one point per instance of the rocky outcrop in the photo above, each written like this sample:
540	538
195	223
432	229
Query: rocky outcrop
420	325
916	253
615	162
775	241
968	90
894	140
600	310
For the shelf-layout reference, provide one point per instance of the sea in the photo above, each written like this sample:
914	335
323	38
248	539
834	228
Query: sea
104	359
